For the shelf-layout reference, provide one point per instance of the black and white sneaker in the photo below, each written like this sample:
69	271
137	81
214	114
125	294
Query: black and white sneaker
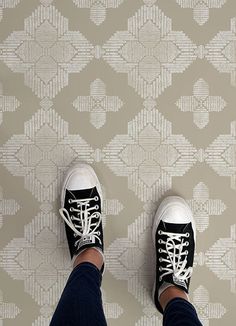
174	237
81	202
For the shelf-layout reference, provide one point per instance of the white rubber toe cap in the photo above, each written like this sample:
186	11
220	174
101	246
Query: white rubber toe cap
174	209
78	177
81	177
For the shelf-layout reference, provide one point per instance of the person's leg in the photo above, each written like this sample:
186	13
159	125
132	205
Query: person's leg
81	202
81	302
173	223
170	293
180	312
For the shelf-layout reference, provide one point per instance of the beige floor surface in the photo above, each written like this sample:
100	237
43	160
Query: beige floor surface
145	92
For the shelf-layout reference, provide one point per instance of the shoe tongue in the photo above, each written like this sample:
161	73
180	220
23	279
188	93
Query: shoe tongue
80	194
175	228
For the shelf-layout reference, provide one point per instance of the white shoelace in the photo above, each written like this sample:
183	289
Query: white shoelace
84	217
174	264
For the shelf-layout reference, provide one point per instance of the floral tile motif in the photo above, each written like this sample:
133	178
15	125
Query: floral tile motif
149	155
221	155
156	53
149	321
220	258
132	259
127	259
150	315
44	152
201	8
206	310
40	259
7	4
110	206
7	207
203	207
149	52
46	52
98	8
201	103
220	51
7	103
111	310
46	2
97	103
7	310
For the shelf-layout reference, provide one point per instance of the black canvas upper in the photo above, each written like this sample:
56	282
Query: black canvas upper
173	228
71	237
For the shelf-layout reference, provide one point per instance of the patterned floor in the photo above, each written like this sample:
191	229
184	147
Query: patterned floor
145	92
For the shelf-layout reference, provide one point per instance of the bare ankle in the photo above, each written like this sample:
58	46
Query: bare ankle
171	293
90	255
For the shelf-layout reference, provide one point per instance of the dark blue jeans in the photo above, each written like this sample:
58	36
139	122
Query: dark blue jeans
81	303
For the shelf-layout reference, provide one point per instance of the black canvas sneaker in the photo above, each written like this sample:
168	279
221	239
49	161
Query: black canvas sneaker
174	237
81	202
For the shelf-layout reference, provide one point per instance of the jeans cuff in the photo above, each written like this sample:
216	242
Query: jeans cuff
174	300
88	265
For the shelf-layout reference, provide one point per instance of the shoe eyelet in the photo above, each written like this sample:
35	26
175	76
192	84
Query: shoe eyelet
186	243
71	209
186	252
159	250
187	235
70	201
160	278
99	232
75	234
160	259
96	206
160	268
96	198
160	241
160	232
